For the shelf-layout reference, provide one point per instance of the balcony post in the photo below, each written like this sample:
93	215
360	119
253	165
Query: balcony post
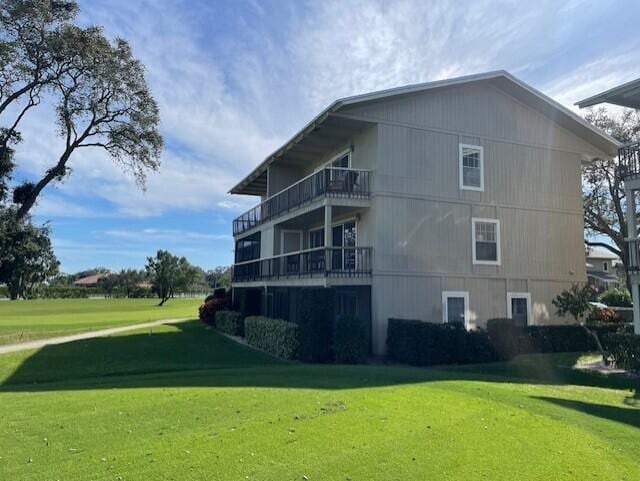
632	227
635	296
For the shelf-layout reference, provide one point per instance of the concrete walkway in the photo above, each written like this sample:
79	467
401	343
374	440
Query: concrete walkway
37	344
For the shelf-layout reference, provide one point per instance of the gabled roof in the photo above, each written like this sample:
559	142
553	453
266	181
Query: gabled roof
549	107
626	95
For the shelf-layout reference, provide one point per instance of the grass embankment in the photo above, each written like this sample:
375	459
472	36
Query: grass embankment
182	402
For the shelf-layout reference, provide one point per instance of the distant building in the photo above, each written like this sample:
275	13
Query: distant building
602	269
90	281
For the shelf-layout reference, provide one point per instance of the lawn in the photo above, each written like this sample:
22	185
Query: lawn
184	403
28	320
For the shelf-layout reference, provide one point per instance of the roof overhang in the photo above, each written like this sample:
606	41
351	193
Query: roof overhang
625	95
328	129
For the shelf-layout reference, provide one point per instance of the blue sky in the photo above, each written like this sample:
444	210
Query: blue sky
236	79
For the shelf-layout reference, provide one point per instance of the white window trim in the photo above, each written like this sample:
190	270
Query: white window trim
520	295
282	232
460	167
474	221
467	314
346	151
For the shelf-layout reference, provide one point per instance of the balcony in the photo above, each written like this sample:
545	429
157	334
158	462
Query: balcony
318	262
328	182
630	161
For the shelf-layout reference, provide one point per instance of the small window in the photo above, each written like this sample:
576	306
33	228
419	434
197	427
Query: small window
486	241
341	161
519	308
471	167
454	307
605	266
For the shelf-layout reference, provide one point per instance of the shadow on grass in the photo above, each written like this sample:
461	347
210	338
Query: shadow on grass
629	416
187	354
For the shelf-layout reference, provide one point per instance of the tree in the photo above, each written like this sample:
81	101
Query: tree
575	302
98	88
26	256
219	277
602	188
169	274
128	280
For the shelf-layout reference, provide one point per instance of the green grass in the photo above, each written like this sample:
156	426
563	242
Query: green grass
184	403
28	320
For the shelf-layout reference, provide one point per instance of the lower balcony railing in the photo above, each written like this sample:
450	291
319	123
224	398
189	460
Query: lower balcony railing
633	246
630	160
319	262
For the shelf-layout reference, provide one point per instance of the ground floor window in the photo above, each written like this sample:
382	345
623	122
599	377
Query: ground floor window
519	307
455	307
346	304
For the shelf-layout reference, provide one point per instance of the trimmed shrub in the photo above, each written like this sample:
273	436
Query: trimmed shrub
423	343
351	340
274	336
207	311
315	324
624	349
510	340
230	322
602	314
616	298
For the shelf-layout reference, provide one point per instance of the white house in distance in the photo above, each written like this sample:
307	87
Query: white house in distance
602	269
450	201
628	95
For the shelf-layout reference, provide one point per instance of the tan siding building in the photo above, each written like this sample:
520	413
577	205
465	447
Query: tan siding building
454	201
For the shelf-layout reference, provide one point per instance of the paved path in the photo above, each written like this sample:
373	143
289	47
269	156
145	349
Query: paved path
37	344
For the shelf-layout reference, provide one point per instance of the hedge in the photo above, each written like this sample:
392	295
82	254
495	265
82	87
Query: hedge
624	349
510	340
315	323
351	340
423	343
230	322
274	336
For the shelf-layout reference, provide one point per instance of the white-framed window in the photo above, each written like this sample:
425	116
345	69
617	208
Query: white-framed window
485	235
605	266
316	238
290	241
455	307
519	308
471	166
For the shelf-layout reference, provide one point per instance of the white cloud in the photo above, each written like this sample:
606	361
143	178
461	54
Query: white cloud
173	235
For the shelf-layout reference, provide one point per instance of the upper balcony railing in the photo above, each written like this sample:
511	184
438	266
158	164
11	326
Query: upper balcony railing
328	182
318	262
630	160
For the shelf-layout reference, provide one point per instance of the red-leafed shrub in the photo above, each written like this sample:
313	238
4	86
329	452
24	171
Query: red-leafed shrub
208	310
603	314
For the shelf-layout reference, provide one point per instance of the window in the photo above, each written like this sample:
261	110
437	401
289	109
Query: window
605	266
344	235
519	307
454	307
316	238
346	304
342	161
486	241
471	167
248	248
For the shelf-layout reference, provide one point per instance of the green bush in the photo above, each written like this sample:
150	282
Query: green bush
423	343
510	340
616	298
315	324
4	291
351	340
625	350
230	322
274	336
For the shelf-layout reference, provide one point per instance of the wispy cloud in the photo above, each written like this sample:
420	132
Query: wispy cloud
174	235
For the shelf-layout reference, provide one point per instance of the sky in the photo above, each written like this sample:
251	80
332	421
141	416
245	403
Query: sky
234	80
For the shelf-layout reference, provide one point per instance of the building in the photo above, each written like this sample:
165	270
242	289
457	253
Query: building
602	269
627	95
450	201
92	280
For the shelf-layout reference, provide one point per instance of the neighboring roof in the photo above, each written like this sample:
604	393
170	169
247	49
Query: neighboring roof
595	253
560	114
627	95
89	280
603	276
